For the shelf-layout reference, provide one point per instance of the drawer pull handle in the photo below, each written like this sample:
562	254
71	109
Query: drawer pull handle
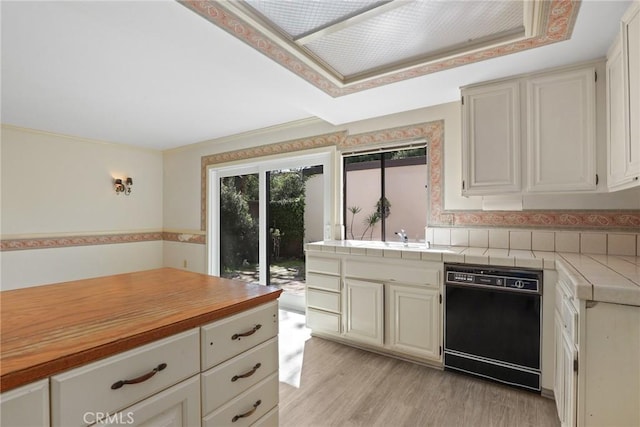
248	413
140	379
247	374
246	334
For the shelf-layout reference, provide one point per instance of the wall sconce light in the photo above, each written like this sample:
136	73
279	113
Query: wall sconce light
123	186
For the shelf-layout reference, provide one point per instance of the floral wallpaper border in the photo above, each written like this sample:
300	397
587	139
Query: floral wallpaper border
29	243
560	21
432	132
79	240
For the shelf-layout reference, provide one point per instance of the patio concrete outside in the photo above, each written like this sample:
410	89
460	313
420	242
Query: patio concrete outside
288	276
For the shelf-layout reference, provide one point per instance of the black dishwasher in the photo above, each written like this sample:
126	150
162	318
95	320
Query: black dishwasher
493	318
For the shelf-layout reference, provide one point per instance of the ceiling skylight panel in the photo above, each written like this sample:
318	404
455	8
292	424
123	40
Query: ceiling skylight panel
299	17
415	30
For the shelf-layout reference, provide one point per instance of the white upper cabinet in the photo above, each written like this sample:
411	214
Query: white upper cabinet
491	139
631	45
530	134
561	132
617	135
623	104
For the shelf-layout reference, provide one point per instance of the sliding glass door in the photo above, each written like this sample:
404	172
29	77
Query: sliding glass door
261	215
294	217
239	221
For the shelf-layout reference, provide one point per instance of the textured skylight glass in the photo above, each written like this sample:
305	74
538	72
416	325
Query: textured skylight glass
298	17
414	30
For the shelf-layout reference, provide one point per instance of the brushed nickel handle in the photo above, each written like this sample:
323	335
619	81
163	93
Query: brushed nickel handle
246	334
140	379
248	413
247	374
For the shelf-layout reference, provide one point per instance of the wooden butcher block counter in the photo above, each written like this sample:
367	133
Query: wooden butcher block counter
50	329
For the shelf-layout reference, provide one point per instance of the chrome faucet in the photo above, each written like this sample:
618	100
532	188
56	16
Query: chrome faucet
403	236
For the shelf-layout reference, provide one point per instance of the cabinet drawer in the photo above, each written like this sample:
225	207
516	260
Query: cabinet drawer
271	419
323	265
322	281
177	406
219	385
226	338
89	388
247	408
323	321
322	300
397	272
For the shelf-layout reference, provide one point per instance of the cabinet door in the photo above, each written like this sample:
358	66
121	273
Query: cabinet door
414	316
364	318
561	150
631	48
26	406
491	139
178	406
558	379
570	382
617	126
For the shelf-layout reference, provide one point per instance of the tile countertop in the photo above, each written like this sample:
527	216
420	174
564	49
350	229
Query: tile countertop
605	278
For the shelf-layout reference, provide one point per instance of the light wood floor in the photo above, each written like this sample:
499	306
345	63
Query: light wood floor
344	386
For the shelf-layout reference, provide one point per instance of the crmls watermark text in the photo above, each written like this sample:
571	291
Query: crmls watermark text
119	418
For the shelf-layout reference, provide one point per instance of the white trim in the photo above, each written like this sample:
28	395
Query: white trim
325	157
122	145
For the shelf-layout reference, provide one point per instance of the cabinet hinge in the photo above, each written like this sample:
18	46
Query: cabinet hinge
440	298
597	179
440	350
463	100
596	73
463	184
590	304
575	365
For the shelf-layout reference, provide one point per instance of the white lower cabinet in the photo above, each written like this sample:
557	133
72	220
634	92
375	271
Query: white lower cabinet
232	378
223	373
569	380
26	406
323	294
565	383
247	408
597	360
566	354
364	311
558	379
414	320
389	305
240	368
609	375
107	386
178	406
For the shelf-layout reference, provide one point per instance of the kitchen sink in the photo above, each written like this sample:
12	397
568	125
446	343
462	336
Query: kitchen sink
396	245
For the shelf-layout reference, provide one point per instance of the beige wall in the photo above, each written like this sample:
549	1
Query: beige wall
54	185
182	167
314	197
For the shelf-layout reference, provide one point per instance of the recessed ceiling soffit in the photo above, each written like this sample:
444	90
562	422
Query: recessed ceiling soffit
343	47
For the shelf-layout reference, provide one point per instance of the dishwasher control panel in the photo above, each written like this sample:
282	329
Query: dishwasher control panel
512	279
